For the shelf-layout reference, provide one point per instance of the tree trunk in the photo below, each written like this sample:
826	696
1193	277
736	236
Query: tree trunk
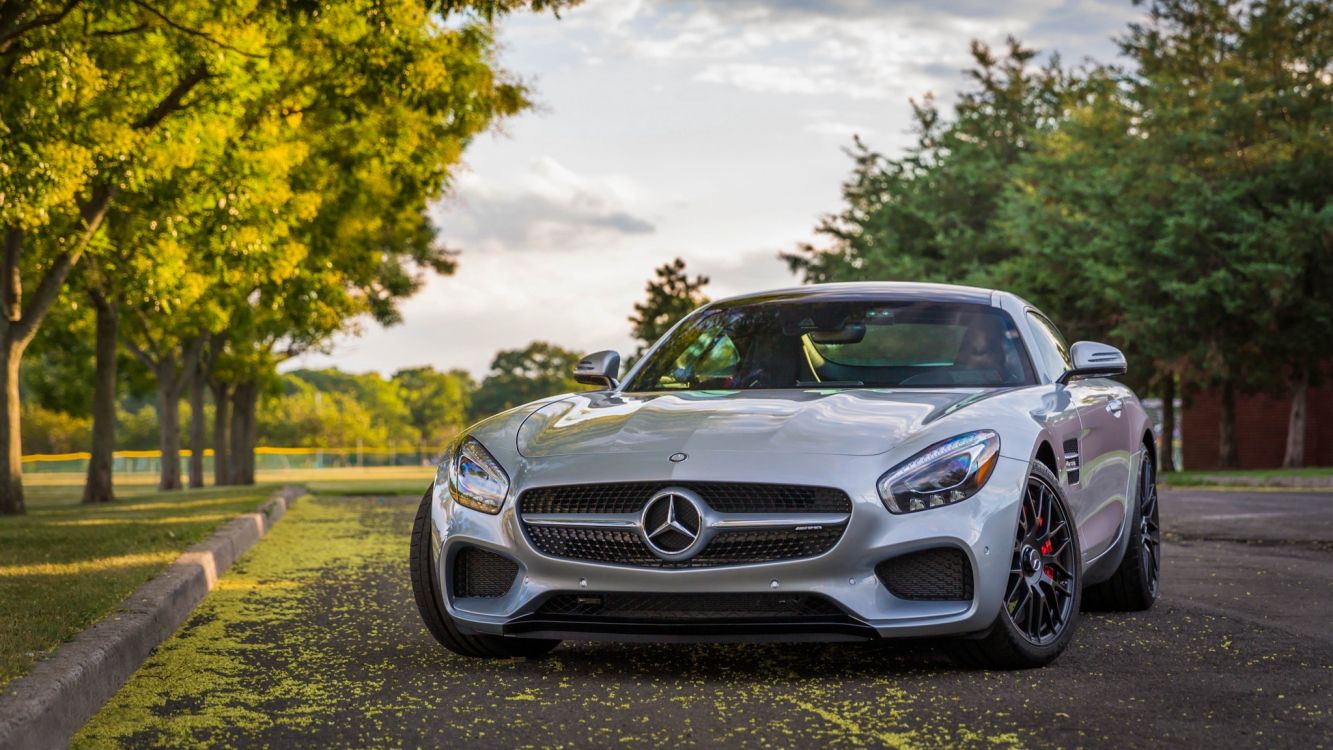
169	427
1228	456
1295	455
98	487
243	430
197	428
11	452
221	411
251	433
1167	460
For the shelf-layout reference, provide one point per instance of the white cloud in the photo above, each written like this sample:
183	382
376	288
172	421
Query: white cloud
843	131
820	80
550	205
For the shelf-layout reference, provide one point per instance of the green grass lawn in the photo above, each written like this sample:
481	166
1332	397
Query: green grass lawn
1222	477
65	565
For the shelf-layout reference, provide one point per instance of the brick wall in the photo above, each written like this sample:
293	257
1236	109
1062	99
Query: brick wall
1261	429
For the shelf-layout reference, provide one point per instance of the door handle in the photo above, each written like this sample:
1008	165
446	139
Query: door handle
1114	406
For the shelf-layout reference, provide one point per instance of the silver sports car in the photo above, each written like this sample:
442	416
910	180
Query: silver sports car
832	462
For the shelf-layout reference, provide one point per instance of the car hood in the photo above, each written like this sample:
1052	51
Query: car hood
844	422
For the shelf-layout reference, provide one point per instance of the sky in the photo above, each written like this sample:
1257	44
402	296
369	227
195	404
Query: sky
714	131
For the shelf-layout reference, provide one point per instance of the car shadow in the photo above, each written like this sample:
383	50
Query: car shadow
727	661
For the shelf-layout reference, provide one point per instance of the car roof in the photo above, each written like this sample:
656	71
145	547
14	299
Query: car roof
860	290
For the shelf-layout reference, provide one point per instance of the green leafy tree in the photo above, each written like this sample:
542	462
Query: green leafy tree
672	295
1185	203
150	111
1235	103
1178	207
518	376
438	402
305	415
930	214
105	125
386	119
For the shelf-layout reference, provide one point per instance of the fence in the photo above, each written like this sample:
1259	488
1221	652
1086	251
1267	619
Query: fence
266	459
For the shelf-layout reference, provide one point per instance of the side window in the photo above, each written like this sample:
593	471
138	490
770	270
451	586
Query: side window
1050	345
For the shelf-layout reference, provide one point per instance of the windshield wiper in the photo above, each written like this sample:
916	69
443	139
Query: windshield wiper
828	383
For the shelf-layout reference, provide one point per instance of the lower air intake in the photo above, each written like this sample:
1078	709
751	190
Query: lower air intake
689	607
939	574
478	573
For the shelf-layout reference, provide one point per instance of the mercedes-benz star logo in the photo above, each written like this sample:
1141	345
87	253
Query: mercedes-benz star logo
672	523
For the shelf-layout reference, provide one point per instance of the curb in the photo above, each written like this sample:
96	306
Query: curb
46	707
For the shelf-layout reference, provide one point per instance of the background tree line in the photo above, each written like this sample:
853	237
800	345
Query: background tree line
1179	205
415	409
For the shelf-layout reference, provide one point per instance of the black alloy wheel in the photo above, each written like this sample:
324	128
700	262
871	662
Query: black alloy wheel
1039	598
1150	529
1137	581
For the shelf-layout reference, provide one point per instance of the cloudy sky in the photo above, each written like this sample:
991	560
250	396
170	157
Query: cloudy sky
713	131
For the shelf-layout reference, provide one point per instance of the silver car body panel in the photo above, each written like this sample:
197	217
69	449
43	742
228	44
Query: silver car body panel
841	438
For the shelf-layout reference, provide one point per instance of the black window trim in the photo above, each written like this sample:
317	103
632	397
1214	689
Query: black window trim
1034	312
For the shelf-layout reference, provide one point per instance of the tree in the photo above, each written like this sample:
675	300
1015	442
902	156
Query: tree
438	402
1179	207
306	415
383	129
672	295
518	376
930	214
1185	201
110	78
140	101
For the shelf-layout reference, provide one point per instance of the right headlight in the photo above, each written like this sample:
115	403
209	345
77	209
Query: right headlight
943	474
473	478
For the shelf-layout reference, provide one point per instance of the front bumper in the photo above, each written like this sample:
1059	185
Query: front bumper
982	527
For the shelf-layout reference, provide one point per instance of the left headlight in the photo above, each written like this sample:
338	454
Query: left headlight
943	474
474	478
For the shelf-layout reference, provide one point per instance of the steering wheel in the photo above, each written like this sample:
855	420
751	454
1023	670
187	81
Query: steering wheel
751	378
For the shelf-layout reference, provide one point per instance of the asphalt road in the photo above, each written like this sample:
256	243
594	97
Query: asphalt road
313	640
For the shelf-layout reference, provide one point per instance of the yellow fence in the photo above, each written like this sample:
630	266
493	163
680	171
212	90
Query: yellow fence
267	458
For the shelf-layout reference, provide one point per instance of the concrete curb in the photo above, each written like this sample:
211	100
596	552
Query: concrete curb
44	708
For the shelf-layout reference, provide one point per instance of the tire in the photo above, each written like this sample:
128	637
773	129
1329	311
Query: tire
1041	591
426	588
1135	584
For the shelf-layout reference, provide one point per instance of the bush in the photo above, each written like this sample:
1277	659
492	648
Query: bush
48	431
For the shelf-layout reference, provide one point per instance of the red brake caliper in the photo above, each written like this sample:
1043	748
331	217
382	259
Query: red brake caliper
1047	549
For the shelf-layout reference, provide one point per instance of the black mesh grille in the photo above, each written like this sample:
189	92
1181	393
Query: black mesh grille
941	574
727	548
688	607
481	573
723	497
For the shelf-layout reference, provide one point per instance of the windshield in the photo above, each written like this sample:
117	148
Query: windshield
842	344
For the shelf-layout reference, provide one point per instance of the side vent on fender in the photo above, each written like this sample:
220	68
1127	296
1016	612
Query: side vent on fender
1072	462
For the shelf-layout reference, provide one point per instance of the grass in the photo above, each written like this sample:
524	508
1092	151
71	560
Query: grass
1225	477
65	565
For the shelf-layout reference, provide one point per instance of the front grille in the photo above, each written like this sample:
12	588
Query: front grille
728	547
939	574
688	607
723	497
478	573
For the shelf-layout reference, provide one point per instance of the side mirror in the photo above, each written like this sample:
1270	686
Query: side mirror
1094	360
599	369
